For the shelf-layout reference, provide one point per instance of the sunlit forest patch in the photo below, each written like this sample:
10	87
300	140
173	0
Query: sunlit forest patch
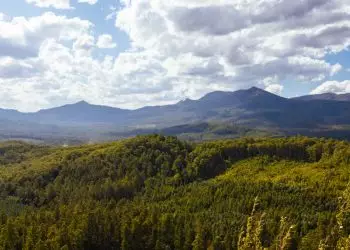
158	192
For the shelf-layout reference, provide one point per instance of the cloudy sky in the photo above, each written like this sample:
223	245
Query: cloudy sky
132	53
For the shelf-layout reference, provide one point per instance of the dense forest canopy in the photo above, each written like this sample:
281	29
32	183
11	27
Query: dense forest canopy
157	192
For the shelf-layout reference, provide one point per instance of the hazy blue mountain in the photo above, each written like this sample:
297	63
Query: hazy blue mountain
11	114
241	99
223	106
253	108
81	112
325	96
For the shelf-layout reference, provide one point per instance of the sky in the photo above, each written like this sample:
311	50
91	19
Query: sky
135	53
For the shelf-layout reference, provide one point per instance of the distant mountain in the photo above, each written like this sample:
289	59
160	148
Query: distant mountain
218	106
11	114
252	98
81	112
325	96
253	108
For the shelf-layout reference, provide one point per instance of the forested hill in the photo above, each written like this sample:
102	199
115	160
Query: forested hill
156	192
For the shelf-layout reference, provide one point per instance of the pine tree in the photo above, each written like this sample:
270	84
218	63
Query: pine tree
10	238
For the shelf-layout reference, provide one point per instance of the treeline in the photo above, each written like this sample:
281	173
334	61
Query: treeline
204	131
156	192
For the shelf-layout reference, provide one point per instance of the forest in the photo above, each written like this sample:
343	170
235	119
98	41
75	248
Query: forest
159	192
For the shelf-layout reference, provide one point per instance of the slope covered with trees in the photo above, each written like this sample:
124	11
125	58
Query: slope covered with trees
204	131
157	192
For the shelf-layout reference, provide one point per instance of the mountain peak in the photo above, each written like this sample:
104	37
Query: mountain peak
185	100
254	89
257	90
82	102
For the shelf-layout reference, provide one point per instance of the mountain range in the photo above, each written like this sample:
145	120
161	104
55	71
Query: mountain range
325	96
253	108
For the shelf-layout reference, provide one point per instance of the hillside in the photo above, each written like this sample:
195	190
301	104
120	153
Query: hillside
203	131
156	192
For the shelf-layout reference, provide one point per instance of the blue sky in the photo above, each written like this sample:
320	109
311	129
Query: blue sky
152	52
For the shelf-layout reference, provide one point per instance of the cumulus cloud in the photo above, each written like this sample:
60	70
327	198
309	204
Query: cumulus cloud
84	45
105	41
179	48
10	68
47	60
272	84
275	88
62	69
58	4
333	86
91	2
21	37
227	19
245	42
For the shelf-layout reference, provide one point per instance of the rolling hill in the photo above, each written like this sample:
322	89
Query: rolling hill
157	192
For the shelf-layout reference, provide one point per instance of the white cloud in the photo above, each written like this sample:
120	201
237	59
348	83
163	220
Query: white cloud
275	88
336	69
271	84
22	38
10	68
177	50
333	86
84	45
105	41
46	60
112	13
91	2
58	4
247	41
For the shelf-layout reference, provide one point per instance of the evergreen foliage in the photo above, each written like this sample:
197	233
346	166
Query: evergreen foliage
157	192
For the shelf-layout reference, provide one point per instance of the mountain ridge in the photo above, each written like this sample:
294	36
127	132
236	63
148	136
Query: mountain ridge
254	108
252	91
83	102
325	96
